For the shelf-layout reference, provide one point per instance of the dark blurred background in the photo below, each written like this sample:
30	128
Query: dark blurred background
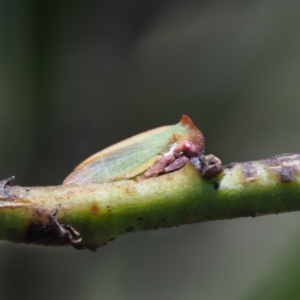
78	76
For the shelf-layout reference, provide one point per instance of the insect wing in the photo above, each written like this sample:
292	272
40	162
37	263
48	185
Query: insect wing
126	159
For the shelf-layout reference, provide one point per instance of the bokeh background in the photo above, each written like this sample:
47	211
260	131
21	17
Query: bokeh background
77	76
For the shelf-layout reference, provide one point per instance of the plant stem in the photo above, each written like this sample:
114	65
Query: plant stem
88	216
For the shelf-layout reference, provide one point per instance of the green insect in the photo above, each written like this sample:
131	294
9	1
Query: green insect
154	152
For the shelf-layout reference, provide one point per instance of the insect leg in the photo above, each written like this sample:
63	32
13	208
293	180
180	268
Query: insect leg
177	164
159	166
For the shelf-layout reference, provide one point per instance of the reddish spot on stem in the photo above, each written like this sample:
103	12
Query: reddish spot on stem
94	210
185	120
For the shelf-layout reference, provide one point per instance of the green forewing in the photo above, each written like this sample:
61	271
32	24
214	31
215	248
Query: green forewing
132	156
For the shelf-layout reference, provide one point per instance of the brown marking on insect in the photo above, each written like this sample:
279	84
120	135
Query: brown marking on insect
249	171
94	209
185	120
286	166
211	166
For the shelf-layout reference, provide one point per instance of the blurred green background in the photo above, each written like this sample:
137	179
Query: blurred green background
78	76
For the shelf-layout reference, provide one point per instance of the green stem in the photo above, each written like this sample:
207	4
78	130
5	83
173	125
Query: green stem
101	212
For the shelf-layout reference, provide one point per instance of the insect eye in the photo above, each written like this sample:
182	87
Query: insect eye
189	149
